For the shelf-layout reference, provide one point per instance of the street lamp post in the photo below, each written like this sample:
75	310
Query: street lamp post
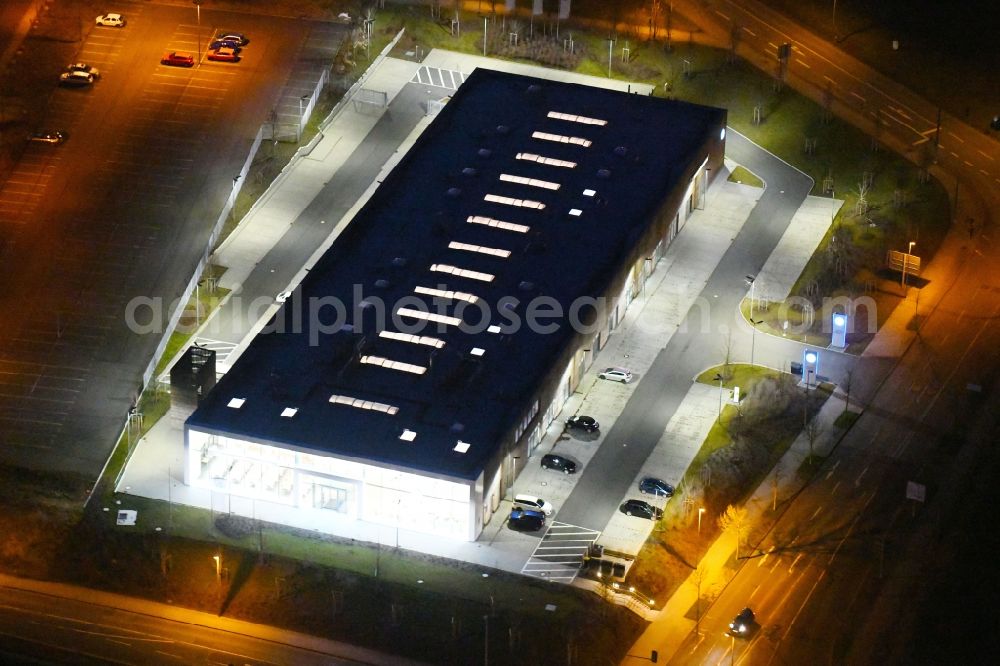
906	259
718	378
197	6
751	280
753	337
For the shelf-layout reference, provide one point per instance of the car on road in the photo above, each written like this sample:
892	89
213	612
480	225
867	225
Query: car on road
111	20
224	55
224	44
558	463
525	520
75	79
533	503
623	375
85	68
228	35
581	422
177	59
641	509
48	136
658	487
742	623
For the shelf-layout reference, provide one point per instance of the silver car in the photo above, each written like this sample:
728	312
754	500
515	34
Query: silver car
623	375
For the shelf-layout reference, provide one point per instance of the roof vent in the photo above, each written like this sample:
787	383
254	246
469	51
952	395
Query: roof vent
399	261
382	284
525	285
454	192
469	171
621	151
484	152
457	427
604	173
503	129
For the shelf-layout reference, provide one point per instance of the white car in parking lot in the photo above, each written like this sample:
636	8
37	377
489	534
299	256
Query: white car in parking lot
111	20
533	503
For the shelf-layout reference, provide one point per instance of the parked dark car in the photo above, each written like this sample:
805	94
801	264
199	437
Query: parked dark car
636	507
585	423
564	465
525	520
48	136
742	623
658	487
224	44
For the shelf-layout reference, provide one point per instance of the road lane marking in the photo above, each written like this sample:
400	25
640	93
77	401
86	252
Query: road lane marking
794	562
863	100
834	491
857	481
832	469
960	139
803	63
985	155
750	32
755	590
954	154
721	14
816	512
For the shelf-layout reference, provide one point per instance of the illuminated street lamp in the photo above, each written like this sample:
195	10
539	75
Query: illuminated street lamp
906	260
753	336
701	511
218	566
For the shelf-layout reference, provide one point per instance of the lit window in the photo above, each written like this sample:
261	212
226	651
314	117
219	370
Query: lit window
408	435
477	351
559	138
461	272
575	212
289	412
444	293
496	252
358	403
533	182
415	339
462	447
236	403
547	161
584	120
393	365
498	224
429	316
511	201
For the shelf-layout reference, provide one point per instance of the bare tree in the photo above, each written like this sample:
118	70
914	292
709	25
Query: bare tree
735	521
727	353
861	206
846	385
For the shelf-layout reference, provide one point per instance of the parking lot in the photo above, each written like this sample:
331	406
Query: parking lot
121	209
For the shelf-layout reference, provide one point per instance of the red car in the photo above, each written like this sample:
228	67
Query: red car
177	59
224	54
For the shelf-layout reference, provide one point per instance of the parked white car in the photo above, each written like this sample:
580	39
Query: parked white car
623	375
533	503
111	20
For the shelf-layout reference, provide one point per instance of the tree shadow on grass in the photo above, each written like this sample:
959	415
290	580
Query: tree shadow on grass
244	569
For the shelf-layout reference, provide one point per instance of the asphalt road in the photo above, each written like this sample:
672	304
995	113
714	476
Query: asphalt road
57	630
122	210
655	397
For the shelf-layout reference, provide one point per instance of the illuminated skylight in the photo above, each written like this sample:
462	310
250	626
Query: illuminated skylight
477	351
415	339
358	403
461	272
584	120
498	224
236	403
408	435
547	161
589	193
444	293
510	201
289	412
533	182
559	138
493	329
482	249
429	316
462	447
575	212
393	365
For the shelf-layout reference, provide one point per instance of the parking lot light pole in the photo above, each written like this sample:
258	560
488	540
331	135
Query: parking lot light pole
753	337
197	6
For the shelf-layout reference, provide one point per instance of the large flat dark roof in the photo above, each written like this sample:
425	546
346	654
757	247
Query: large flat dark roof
411	225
